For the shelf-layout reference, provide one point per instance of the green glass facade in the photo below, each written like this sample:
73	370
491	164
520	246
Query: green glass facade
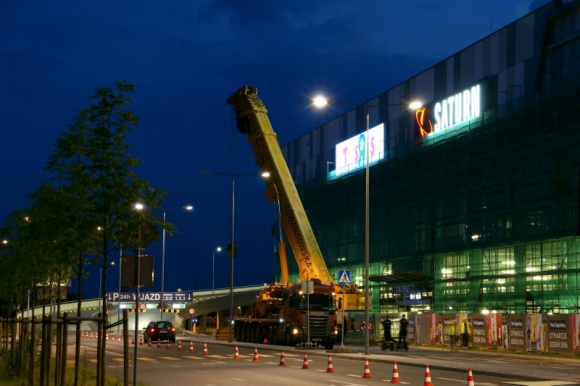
482	216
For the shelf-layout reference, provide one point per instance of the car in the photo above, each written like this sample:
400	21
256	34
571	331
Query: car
159	330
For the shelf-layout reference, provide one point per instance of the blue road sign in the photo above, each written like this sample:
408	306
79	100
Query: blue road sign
344	276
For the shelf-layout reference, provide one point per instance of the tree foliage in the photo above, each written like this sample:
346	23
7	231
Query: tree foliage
84	211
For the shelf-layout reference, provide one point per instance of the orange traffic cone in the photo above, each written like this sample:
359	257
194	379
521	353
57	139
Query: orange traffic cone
367	373
91	337
236	353
191	346
470	381
140	341
168	344
119	339
107	337
256	359
330	369
179	348
305	364
132	340
395	378
282	359
427	377
149	343
158	343
205	349
82	334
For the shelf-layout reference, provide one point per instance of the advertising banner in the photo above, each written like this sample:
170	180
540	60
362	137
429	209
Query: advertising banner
575	332
434	328
423	328
535	335
478	330
516	332
558	338
493	330
411	328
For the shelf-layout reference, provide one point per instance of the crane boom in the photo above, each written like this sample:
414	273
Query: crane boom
252	119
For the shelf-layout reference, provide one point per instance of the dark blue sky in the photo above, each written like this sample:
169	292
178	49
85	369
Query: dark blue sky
185	58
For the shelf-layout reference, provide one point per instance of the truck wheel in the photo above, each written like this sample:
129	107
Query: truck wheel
254	334
289	341
274	339
244	333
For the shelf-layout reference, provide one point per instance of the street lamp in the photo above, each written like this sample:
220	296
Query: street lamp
218	249
188	208
321	101
138	208
231	250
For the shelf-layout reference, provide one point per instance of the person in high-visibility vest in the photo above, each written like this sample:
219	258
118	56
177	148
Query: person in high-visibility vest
464	333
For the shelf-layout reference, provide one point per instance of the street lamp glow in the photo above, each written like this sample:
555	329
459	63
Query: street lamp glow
139	206
218	250
320	101
189	208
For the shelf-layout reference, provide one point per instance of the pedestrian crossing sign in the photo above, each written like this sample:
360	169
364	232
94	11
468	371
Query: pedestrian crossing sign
343	276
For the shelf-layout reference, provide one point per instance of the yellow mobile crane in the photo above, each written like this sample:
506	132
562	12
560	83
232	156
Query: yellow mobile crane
279	312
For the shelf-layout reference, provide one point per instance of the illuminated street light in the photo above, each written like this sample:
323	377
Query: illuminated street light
232	247
138	208
189	208
321	101
218	249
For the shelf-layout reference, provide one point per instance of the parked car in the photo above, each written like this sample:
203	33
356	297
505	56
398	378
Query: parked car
160	330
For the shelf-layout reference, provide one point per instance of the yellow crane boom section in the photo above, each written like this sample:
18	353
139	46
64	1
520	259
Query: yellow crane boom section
252	118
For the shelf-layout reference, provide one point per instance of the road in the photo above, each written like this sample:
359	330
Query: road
162	366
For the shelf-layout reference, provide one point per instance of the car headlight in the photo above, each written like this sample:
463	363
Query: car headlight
295	331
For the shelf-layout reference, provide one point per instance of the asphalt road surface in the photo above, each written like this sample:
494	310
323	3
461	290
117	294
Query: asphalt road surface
260	365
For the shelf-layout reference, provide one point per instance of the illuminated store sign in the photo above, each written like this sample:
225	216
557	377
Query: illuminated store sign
350	154
451	111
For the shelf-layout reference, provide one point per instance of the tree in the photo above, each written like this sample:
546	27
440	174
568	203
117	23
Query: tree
98	184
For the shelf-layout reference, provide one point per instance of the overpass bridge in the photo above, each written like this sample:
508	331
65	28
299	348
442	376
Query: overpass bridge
206	304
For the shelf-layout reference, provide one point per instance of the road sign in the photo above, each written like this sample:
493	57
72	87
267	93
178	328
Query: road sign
142	306
192	311
168	297
344	276
194	320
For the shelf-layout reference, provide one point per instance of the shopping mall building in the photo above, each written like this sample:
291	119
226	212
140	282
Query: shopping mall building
473	198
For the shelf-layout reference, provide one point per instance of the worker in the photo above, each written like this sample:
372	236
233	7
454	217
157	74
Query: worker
464	333
403	323
387	328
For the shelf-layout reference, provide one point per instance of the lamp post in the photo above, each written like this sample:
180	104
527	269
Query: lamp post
320	101
138	208
218	249
232	249
188	208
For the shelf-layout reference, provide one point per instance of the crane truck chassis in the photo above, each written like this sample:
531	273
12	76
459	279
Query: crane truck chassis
284	314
